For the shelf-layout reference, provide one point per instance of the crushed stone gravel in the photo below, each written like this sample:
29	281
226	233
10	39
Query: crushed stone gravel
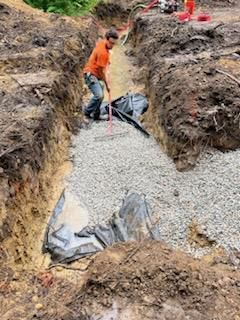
106	167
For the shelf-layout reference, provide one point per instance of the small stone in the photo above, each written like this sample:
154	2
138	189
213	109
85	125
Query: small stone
95	293
200	277
108	291
16	276
220	283
214	285
176	193
58	269
148	299
126	286
35	299
105	302
38	306
226	280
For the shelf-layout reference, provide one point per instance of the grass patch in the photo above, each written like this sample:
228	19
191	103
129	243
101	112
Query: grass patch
64	7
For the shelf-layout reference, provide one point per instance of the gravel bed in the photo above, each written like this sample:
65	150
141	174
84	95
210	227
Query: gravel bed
105	168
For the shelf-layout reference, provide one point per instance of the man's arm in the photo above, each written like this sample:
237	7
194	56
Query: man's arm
104	78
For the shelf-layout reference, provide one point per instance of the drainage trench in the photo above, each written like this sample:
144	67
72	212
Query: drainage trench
186	205
197	211
103	171
38	192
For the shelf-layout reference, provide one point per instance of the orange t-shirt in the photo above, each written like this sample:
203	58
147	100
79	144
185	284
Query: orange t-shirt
99	59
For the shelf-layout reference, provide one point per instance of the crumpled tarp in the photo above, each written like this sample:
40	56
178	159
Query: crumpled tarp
133	222
128	108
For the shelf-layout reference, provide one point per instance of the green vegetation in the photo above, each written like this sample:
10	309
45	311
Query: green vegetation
67	7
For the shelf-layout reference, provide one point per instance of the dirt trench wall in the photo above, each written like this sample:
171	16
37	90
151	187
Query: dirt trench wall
41	90
194	101
199	3
214	3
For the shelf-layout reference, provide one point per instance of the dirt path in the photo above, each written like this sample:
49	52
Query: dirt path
121	72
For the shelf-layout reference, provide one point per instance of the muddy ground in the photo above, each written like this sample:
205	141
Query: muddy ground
193	105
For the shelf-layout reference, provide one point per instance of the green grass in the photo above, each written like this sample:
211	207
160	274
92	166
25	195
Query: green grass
65	7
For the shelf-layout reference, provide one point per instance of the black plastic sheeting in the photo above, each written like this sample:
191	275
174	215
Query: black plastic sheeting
128	108
133	222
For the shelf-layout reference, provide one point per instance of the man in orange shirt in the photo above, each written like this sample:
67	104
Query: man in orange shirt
95	73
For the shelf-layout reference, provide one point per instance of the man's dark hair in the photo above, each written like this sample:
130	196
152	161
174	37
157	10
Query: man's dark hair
112	33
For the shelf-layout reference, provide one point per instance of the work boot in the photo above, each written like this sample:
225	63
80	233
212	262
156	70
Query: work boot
88	115
87	118
96	115
103	117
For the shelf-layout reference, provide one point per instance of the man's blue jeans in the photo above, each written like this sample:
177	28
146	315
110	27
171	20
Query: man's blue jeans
96	87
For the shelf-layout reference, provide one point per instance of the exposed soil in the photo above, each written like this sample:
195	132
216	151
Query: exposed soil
137	281
107	11
150	281
188	71
196	236
192	105
40	64
218	3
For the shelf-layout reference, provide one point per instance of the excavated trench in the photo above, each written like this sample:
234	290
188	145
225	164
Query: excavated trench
41	61
188	69
183	126
41	101
147	282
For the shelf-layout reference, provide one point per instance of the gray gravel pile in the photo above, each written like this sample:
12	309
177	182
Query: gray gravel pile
104	169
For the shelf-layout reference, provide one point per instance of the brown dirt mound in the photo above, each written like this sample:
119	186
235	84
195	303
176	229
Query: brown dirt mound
133	281
200	113
192	78
151	281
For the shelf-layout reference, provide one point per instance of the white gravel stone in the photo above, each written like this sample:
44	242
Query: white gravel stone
105	169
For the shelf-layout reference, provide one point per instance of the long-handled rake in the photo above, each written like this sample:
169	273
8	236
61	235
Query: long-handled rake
110	119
